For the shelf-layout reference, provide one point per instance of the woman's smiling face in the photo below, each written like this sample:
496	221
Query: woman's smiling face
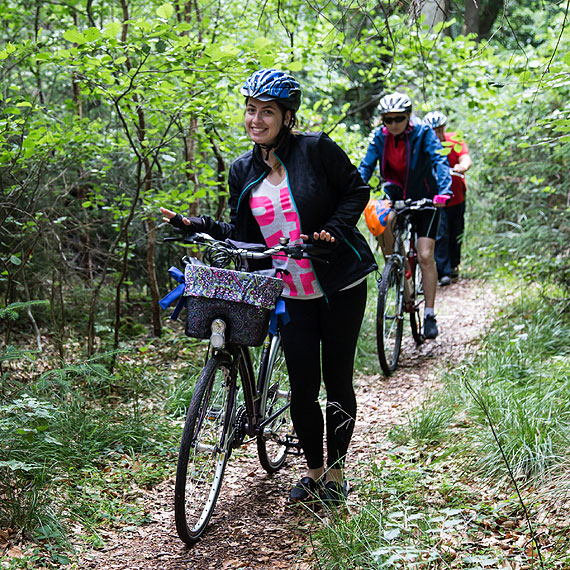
263	120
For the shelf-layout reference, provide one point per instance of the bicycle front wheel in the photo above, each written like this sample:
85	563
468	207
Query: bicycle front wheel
418	306
389	317
204	449
277	430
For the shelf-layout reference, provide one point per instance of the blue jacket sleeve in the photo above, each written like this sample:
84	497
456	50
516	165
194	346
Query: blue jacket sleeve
373	155
439	163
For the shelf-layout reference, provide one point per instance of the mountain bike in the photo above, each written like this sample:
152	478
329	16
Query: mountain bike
400	288
231	307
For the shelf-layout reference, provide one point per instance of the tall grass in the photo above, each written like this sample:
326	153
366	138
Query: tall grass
521	375
517	385
75	441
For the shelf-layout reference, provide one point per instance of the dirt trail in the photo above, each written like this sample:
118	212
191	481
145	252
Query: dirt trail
253	526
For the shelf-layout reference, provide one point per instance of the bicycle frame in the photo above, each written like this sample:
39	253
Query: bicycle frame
253	390
399	288
406	253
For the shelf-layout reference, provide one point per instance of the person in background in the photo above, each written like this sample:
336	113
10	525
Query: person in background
412	166
303	186
452	220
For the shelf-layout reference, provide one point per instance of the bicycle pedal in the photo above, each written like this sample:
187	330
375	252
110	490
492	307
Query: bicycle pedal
292	444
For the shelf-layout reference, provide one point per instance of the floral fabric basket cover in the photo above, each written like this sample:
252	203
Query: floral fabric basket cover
243	300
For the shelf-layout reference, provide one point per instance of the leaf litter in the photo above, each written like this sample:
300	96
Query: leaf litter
255	528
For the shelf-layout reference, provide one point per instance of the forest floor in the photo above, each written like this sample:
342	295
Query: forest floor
253	526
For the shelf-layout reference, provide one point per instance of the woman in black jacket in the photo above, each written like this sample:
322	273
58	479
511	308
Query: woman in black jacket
303	186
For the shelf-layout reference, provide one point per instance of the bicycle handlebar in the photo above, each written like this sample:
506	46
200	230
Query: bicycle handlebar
252	251
409	205
455	173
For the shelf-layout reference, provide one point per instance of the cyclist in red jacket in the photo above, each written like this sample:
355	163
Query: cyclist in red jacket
409	157
452	219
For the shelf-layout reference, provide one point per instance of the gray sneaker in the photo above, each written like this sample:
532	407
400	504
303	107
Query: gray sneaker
445	280
430	327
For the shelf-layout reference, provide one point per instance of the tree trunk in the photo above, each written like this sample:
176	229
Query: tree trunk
435	11
472	17
487	15
190	159
150	227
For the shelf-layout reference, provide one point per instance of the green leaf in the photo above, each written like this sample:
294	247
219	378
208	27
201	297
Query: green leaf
112	30
165	11
92	34
14	465
15	260
74	36
261	43
295	66
392	533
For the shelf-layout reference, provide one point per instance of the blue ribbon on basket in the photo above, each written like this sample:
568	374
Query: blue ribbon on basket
279	311
168	299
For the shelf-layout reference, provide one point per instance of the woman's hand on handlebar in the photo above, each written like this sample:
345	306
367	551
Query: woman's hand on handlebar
181	222
439	200
320	238
320	242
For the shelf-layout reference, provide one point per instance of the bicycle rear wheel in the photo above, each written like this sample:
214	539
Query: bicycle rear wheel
272	441
389	318
204	449
418	306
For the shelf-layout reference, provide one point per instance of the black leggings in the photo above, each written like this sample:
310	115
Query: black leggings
334	324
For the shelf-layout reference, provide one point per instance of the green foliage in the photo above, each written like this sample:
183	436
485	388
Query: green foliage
405	516
515	386
58	432
104	117
425	426
424	498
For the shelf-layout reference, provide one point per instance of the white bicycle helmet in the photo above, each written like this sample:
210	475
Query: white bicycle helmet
435	119
395	103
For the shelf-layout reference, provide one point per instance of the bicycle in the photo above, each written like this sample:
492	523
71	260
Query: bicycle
216	423
400	287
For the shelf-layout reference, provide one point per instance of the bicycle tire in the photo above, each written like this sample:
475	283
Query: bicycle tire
418	305
389	317
272	442
204	450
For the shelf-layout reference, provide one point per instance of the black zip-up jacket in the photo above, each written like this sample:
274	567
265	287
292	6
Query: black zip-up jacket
328	193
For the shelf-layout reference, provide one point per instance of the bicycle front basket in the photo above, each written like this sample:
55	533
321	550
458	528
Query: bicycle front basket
243	300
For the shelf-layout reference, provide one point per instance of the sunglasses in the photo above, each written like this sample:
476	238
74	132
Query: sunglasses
398	119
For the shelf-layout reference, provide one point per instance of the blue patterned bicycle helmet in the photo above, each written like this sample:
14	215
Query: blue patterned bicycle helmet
273	85
435	119
395	103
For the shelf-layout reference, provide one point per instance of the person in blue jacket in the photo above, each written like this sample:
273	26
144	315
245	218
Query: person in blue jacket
407	152
303	186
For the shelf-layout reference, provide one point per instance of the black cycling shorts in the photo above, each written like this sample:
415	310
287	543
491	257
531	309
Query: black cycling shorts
426	223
